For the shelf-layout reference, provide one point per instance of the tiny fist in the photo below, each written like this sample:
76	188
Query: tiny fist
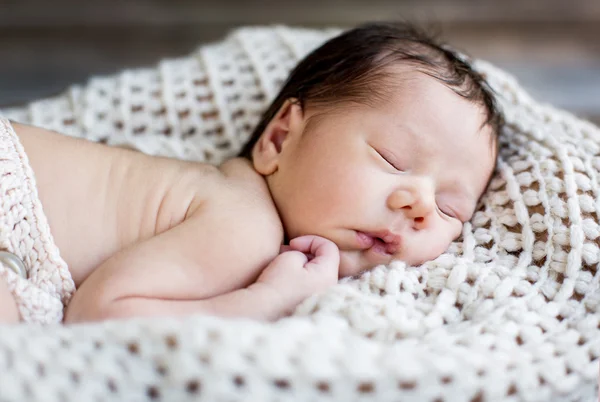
321	252
311	243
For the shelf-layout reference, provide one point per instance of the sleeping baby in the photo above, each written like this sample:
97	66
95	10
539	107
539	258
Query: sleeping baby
377	148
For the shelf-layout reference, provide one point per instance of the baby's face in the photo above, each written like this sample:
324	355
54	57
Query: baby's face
392	182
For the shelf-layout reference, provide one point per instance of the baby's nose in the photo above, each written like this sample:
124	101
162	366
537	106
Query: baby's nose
417	200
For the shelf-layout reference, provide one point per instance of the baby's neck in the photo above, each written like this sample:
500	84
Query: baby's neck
241	168
242	171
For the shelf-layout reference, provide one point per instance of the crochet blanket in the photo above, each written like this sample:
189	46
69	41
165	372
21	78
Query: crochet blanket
510	312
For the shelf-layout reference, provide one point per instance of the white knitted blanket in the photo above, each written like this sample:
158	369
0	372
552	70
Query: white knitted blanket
510	312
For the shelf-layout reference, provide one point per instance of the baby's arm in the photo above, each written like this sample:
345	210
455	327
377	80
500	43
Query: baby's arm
309	266
195	268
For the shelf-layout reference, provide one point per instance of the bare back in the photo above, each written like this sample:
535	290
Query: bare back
100	200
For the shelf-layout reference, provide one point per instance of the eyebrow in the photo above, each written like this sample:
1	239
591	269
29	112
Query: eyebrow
412	134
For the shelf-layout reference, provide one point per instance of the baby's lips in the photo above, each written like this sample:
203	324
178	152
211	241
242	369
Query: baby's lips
392	248
386	241
364	240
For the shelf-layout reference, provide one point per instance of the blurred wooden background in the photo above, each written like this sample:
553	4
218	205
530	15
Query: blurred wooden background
552	46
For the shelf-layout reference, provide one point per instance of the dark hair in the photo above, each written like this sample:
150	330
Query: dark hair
350	66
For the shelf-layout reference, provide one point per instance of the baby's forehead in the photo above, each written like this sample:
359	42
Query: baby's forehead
408	100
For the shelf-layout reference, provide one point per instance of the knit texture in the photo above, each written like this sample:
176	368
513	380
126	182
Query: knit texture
24	232
509	312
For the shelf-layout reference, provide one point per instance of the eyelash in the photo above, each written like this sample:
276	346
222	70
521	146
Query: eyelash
388	161
448	214
451	215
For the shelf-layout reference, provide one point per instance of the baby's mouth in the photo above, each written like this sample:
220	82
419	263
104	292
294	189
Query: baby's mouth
383	242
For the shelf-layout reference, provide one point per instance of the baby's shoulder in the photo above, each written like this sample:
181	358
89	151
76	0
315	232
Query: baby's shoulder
239	198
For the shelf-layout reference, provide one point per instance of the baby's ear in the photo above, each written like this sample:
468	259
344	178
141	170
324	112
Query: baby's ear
283	126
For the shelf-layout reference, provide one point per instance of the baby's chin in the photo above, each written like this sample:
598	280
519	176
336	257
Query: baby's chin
354	263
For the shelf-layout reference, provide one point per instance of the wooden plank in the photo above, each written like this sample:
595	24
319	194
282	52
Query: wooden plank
558	63
167	12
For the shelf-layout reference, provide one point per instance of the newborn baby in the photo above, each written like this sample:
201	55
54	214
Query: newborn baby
377	148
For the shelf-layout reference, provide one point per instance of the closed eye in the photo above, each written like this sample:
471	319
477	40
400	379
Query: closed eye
455	205
448	212
389	159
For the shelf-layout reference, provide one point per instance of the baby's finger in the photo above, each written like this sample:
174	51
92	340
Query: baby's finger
324	251
292	258
311	244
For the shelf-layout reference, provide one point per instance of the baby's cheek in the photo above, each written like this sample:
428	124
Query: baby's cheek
443	247
428	249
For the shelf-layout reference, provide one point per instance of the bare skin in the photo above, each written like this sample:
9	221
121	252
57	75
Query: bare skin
145	235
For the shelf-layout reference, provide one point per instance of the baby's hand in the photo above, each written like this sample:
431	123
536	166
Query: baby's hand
308	265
